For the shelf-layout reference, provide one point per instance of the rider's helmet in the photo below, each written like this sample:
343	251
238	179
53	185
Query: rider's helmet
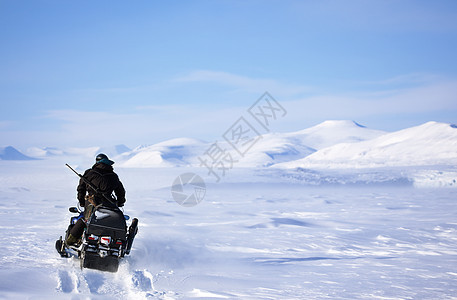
102	158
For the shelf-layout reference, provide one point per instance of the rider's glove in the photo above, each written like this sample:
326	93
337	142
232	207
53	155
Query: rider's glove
120	202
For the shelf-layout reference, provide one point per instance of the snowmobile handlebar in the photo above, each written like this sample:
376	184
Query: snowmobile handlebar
89	184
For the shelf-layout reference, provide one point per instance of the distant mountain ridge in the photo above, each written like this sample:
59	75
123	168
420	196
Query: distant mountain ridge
48	152
432	143
330	144
329	133
270	149
174	152
275	148
10	153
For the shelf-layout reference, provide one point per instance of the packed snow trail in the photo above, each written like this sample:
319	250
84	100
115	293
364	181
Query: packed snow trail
250	239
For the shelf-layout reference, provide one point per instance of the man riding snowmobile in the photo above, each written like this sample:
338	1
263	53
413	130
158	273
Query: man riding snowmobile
99	235
102	177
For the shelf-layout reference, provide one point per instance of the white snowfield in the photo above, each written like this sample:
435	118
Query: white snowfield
382	230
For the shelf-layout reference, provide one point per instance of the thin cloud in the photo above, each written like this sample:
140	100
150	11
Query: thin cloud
406	79
5	124
423	99
148	125
244	83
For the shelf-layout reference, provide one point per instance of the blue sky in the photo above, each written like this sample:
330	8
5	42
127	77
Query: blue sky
86	73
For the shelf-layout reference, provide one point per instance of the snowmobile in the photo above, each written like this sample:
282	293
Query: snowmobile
105	239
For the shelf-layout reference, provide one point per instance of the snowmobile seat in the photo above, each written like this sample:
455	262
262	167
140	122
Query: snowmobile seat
107	221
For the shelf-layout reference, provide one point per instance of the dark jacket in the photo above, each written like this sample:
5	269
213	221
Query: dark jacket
102	177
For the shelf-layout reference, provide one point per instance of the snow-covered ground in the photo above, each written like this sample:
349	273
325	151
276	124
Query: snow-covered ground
258	234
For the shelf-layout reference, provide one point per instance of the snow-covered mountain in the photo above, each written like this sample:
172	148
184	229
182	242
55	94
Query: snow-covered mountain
91	152
10	153
331	144
270	149
174	152
431	143
275	148
333	132
44	152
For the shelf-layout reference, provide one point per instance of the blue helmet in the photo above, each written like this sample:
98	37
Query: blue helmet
102	158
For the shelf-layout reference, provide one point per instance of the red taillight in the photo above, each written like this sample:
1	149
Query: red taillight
105	240
92	237
119	242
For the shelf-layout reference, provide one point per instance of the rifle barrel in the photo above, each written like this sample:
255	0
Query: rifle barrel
73	170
